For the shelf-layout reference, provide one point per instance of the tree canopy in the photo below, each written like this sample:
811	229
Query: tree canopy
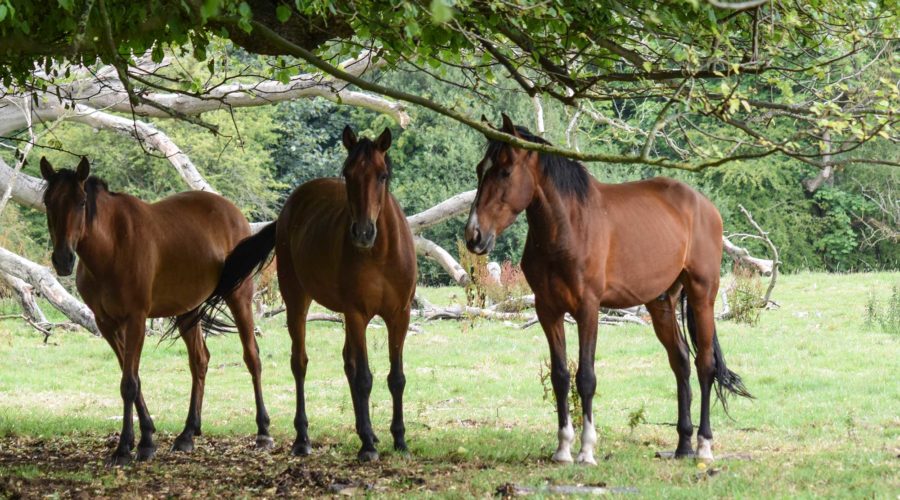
709	81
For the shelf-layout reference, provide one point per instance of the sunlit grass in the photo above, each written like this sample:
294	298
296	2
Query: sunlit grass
826	420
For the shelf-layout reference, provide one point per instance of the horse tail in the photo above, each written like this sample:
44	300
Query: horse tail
246	260
725	381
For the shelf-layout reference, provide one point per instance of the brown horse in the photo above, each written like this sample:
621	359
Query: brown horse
591	245
139	261
347	246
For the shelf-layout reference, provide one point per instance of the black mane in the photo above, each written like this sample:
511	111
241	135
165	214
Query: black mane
364	149
92	186
568	176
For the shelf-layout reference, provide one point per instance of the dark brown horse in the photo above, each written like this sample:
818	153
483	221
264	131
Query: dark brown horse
346	245
139	261
591	245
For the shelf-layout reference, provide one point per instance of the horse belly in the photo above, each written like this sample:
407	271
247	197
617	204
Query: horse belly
638	274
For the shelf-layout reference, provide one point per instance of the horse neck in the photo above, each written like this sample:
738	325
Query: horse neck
550	215
96	246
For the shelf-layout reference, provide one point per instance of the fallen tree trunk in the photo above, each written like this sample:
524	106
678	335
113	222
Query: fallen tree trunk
25	294
445	210
742	257
44	281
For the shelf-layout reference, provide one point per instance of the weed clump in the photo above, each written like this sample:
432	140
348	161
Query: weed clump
745	295
887	316
574	400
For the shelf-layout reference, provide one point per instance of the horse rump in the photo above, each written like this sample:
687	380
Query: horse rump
247	259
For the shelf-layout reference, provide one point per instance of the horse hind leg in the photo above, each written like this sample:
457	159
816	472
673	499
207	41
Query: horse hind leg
665	324
701	326
240	304
198	360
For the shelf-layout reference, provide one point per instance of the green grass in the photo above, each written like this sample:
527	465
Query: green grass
826	421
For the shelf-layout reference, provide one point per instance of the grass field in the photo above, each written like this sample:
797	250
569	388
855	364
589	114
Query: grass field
826	421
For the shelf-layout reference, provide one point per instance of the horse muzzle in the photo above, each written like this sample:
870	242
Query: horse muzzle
63	261
363	235
478	242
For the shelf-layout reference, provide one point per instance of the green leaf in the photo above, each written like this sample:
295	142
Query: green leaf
245	11
441	12
283	13
209	8
68	5
3	10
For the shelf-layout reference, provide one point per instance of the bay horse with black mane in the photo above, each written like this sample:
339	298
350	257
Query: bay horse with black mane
139	261
345	244
612	245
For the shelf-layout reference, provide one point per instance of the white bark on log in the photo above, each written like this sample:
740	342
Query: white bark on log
22	156
26	190
433	251
25	294
742	256
44	281
50	108
108	93
447	209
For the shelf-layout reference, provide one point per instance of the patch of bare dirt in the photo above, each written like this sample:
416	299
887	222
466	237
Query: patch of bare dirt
75	468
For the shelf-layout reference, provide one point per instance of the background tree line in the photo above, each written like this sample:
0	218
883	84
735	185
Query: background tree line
840	226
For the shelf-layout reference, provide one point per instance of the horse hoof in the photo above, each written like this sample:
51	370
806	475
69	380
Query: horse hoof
264	442
119	459
586	459
562	457
367	456
301	449
185	445
146	453
400	446
704	449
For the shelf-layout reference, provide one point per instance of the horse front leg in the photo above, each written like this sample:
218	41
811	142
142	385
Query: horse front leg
586	380
552	323
114	334
130	389
397	327
356	367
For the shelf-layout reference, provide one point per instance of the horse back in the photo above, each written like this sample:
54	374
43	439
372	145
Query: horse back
167	255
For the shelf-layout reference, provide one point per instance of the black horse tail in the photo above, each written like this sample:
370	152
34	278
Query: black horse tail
246	260
725	381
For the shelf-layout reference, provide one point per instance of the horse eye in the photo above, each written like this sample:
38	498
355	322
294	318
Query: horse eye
382	178
82	203
504	173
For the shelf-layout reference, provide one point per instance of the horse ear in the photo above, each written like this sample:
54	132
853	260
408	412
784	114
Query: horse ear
84	169
384	140
508	126
348	138
46	169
